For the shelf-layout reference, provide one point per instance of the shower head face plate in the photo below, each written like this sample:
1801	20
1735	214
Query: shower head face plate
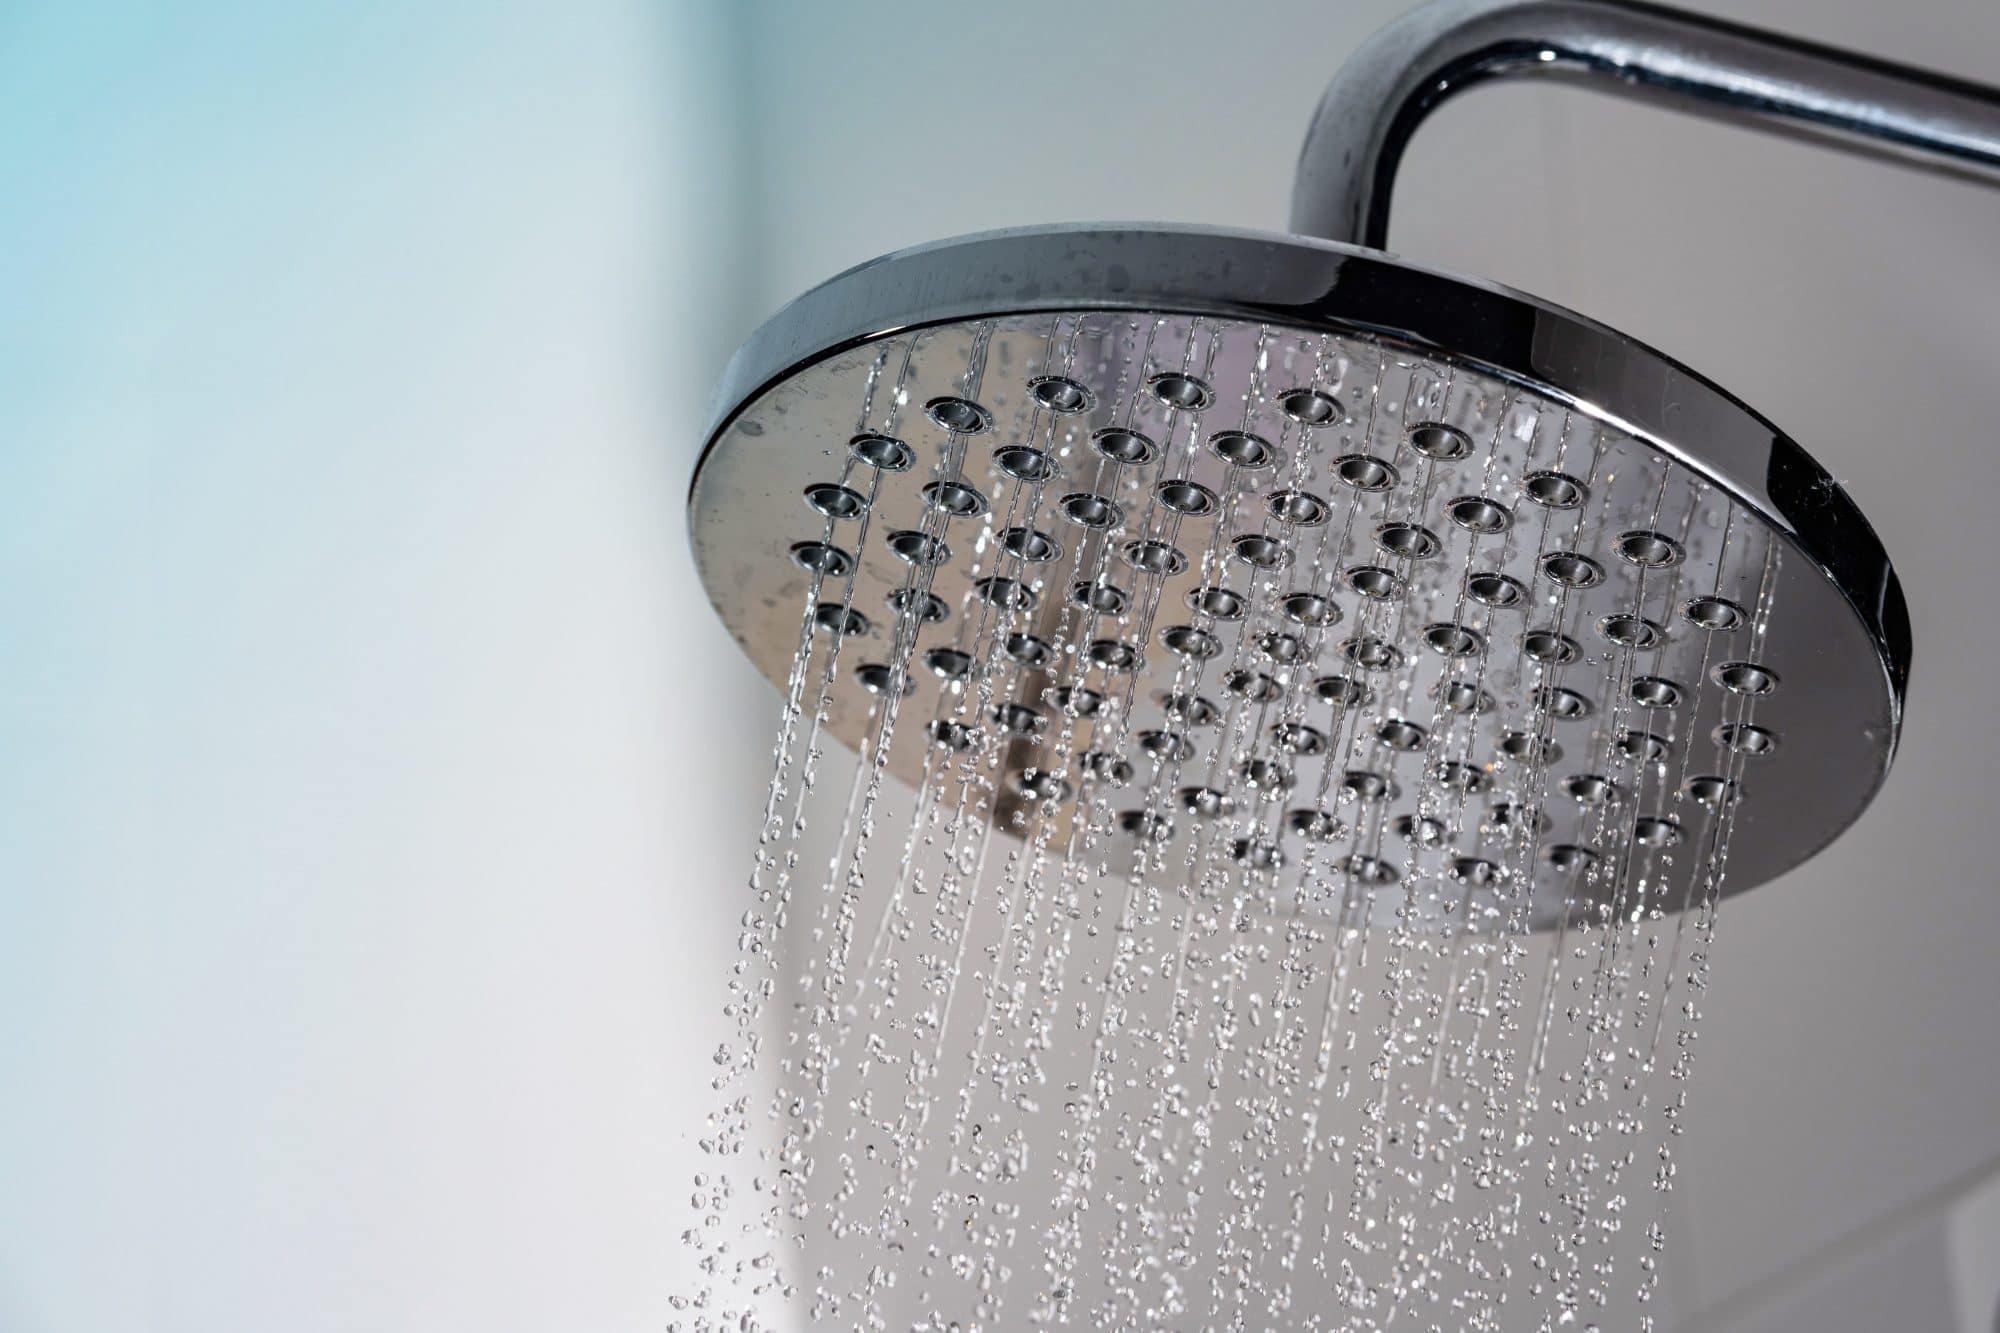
1131	512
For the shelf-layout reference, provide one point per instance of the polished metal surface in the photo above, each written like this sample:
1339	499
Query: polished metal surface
1687	62
1840	638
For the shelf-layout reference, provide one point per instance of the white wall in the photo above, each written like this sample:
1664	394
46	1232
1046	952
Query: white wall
374	779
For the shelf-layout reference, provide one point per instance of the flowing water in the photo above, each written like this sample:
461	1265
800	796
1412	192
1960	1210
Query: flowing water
1247	825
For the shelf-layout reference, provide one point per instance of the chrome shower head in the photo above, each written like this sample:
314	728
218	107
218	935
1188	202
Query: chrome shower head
1185	527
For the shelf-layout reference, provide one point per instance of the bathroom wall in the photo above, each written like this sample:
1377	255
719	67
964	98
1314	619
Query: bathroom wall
372	777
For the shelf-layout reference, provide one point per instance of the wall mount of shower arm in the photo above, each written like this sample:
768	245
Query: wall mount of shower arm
1688	62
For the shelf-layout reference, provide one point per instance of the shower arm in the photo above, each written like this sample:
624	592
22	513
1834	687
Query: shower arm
1690	62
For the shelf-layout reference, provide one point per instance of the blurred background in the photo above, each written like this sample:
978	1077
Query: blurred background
375	783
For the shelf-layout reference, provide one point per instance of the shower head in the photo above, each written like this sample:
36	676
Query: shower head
1300	543
1262	527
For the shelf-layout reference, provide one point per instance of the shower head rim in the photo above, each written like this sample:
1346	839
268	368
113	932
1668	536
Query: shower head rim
1308	284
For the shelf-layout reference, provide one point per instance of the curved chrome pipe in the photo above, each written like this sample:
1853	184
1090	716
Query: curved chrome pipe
1686	61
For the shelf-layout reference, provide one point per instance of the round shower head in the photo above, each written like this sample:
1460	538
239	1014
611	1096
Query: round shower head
1186	528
